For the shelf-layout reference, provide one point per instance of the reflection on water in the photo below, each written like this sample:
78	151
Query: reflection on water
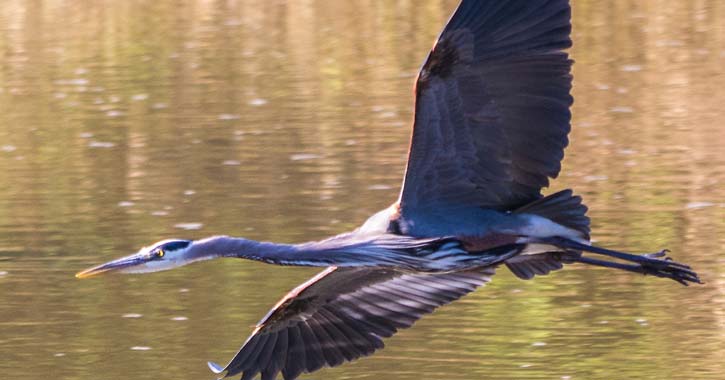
125	122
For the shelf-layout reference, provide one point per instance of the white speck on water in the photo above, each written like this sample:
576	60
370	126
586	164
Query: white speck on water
257	102
228	116
72	82
158	106
59	354
159	213
231	163
397	124
101	144
189	192
627	152
621	109
594	178
85	135
566	378
132	315
8	148
388	114
525	366
139	97
189	226
303	156
3	273
114	113
114	99
602	87
631	68
604	322
125	204
350	142
140	348
60	95
669	43
183	290
179	318
538	344
379	187
697	205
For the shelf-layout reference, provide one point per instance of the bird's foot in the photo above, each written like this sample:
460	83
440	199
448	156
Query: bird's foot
654	255
660	265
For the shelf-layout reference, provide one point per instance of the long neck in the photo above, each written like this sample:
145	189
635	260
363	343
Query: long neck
225	246
347	250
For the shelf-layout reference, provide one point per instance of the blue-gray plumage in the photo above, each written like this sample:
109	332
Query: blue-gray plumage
491	123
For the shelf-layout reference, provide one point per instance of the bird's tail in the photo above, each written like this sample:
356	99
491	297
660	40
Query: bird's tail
567	210
563	208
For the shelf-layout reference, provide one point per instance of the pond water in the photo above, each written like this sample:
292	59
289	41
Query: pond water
122	123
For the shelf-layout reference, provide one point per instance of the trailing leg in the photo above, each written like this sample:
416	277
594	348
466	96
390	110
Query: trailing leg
683	276
655	264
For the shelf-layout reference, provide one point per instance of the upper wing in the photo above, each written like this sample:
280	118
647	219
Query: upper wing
343	314
492	107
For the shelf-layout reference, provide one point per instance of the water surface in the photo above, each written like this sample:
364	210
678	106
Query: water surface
122	123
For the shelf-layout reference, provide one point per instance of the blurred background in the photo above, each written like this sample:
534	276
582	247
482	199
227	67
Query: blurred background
125	122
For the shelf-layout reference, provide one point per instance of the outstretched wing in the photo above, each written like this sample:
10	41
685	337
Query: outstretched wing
343	314
492	107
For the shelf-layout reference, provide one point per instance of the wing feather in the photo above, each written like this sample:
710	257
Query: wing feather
344	315
492	108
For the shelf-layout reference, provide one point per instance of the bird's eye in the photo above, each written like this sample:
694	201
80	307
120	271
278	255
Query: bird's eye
160	253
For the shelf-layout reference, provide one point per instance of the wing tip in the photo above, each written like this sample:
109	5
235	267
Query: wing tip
216	368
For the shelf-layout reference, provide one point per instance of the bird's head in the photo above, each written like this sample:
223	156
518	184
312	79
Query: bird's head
164	255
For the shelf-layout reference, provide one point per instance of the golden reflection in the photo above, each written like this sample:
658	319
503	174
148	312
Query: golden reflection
289	120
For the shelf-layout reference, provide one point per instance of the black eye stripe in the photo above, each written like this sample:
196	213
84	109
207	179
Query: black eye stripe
174	245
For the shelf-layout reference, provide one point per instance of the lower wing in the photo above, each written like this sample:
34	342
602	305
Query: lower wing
343	314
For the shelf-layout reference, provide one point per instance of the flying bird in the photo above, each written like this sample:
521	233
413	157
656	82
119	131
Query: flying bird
492	115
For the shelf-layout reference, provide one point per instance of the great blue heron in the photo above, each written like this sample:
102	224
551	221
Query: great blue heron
491	123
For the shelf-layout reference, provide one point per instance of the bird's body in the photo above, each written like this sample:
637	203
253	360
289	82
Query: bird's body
491	123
